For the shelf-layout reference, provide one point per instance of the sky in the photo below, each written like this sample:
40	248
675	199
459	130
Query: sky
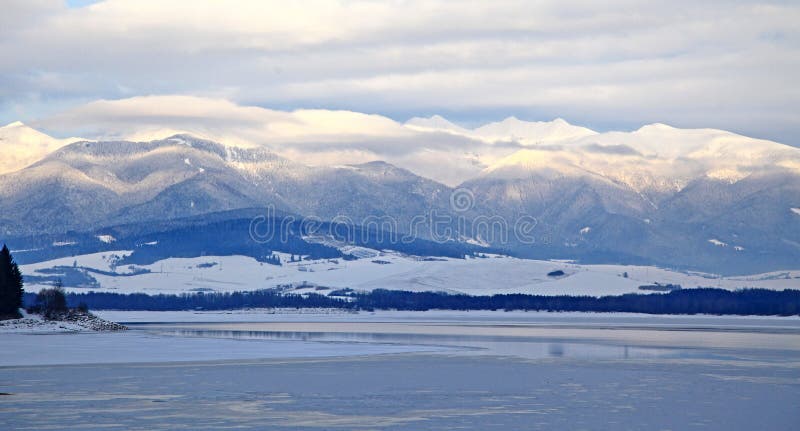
83	67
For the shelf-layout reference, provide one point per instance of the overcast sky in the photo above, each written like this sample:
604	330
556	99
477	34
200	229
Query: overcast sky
732	65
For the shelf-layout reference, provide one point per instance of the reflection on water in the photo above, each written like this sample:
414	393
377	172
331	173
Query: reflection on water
524	347
557	350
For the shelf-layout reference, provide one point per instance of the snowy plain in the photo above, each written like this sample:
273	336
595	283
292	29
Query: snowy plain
387	270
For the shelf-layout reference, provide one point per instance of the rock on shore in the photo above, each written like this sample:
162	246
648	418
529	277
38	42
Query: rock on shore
68	322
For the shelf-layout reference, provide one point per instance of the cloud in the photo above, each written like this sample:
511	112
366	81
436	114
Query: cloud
729	65
316	137
431	147
113	118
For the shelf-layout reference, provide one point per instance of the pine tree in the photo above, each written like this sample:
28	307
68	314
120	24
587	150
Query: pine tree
10	285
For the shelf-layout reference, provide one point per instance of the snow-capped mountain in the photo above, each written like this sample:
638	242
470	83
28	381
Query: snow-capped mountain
437	123
87	185
704	199
531	132
660	192
22	145
655	158
510	129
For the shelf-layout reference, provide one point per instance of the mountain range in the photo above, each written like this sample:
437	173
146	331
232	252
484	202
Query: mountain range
699	199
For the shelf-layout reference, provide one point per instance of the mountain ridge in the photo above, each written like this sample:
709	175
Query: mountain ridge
602	196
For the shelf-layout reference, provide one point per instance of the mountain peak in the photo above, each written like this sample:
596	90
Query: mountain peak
511	119
529	132
377	166
14	124
185	139
24	145
656	127
435	122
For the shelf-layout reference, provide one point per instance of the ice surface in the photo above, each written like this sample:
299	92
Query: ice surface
497	382
137	347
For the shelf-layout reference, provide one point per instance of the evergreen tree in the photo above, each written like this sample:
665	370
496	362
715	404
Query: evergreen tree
10	285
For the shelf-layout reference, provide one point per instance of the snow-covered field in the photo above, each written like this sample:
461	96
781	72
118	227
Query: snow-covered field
388	270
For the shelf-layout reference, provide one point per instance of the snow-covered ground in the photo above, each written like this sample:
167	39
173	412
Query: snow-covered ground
389	270
33	324
36	324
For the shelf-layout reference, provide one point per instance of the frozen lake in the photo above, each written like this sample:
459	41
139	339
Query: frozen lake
407	371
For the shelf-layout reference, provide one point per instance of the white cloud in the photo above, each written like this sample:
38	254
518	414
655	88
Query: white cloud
654	156
315	137
220	118
731	65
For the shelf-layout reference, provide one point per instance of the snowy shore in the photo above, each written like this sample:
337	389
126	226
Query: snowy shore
36	324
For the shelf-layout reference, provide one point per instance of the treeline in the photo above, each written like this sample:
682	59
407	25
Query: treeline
198	301
688	301
228	233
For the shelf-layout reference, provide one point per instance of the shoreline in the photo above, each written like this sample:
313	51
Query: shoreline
255	315
35	324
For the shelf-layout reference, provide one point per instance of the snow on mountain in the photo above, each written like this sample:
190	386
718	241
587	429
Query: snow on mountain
531	132
510	129
436	123
497	141
85	185
654	158
88	185
22	145
656	194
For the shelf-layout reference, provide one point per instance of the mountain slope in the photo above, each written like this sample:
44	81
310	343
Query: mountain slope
106	183
700	199
695	199
509	129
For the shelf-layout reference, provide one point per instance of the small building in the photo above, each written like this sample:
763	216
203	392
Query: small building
658	287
